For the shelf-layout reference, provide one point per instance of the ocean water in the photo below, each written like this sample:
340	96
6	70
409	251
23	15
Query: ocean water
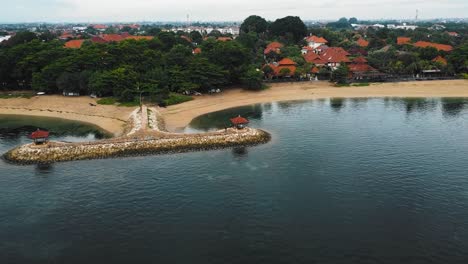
342	181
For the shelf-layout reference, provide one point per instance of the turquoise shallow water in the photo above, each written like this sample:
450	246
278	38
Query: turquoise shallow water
343	181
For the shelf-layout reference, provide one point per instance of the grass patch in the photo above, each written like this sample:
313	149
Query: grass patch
342	85
177	99
464	75
360	84
16	95
107	101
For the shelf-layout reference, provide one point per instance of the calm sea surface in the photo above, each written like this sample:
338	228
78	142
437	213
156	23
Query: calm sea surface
343	181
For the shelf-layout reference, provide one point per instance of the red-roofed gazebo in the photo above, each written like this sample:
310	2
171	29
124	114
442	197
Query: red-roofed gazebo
239	122
39	136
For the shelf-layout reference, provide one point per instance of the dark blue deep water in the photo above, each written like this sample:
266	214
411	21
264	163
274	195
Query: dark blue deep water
343	181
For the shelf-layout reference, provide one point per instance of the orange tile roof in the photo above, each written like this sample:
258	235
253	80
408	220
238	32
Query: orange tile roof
335	55
425	44
311	57
224	39
97	39
403	40
286	61
362	42
197	51
361	67
273	47
440	59
360	60
314	70
316	39
112	37
277	69
74	44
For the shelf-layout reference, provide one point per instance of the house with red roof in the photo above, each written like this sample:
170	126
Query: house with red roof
112	37
197	51
439	47
403	40
279	68
100	27
224	39
273	47
453	34
315	42
362	43
440	60
66	36
74	44
307	49
97	39
359	69
315	59
335	56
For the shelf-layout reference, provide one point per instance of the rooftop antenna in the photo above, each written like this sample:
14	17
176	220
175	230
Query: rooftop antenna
417	14
188	20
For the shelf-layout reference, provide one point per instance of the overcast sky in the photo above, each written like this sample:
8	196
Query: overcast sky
222	10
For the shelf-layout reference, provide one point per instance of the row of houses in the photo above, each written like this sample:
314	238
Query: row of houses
104	38
424	44
318	53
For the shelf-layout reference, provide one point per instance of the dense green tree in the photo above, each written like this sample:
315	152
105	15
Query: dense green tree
196	37
21	38
290	28
167	39
254	24
353	20
179	55
69	82
113	82
206	75
459	58
342	23
230	55
428	53
253	79
340	75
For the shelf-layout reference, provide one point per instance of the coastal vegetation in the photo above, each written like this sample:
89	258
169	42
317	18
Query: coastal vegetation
164	64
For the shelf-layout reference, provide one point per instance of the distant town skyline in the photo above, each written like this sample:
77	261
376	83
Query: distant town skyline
214	10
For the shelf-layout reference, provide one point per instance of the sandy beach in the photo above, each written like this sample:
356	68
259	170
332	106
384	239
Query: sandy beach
179	116
112	118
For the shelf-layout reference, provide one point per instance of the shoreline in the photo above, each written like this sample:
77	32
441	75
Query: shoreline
179	116
113	118
110	119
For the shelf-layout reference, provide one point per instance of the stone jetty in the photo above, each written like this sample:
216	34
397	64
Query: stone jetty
145	135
